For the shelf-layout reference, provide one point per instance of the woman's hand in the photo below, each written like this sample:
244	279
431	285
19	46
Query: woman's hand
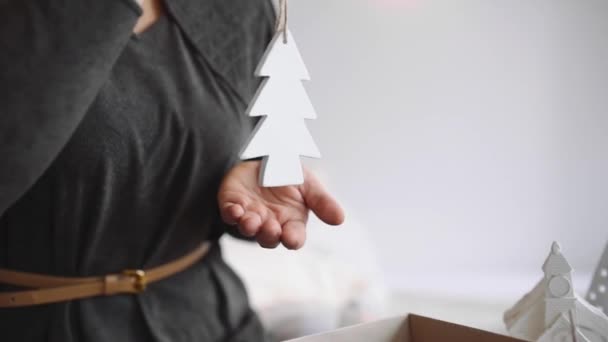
274	215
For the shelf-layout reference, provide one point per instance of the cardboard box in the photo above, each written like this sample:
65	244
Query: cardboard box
409	328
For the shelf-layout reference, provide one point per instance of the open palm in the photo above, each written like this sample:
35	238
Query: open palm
274	215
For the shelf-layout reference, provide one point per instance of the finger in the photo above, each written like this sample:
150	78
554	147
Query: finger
254	216
321	202
269	236
260	209
250	224
294	234
232	213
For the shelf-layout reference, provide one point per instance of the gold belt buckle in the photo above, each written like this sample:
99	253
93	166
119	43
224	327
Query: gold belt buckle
140	279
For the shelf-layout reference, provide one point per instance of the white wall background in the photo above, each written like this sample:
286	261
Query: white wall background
464	135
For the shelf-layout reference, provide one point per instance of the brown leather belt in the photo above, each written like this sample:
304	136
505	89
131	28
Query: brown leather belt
51	289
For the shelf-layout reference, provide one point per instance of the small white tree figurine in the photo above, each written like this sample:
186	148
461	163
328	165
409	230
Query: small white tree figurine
281	136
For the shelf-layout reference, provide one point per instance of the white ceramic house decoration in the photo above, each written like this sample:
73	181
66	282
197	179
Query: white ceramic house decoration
553	312
281	136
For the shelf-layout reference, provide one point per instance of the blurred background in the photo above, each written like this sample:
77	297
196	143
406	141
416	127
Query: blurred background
462	137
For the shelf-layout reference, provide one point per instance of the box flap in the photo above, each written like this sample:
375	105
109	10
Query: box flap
381	331
410	328
423	329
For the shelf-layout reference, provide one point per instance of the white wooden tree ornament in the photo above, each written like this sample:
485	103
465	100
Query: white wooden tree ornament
281	135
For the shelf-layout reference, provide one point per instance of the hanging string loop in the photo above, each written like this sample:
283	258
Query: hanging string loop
281	26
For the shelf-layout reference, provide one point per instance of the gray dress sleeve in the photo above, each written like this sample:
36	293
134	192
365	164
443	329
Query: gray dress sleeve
55	55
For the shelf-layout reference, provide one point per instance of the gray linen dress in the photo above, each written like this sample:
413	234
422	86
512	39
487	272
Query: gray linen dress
112	148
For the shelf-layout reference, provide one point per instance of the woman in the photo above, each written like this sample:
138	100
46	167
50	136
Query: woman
119	134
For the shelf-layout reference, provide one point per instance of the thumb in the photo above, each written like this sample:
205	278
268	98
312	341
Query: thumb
325	207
